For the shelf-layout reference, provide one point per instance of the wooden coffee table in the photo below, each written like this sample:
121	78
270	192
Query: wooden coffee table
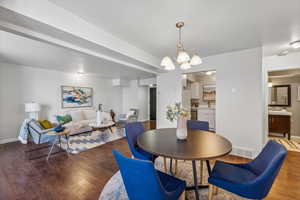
102	127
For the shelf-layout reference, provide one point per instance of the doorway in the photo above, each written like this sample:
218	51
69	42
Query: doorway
199	96
284	108
153	103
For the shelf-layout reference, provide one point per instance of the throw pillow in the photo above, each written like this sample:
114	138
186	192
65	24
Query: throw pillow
45	124
36	125
89	114
63	119
76	115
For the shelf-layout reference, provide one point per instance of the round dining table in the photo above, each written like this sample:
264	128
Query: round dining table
199	145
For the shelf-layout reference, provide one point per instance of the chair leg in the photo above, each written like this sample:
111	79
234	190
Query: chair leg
201	172
182	196
165	164
210	192
175	172
216	190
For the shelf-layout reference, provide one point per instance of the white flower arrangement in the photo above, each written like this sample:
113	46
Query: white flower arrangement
176	111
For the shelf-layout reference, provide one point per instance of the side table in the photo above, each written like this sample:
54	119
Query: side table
58	135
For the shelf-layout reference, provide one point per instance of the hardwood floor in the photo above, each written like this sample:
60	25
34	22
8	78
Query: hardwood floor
82	176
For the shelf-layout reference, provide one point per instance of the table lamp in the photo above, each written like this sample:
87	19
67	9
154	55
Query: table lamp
33	110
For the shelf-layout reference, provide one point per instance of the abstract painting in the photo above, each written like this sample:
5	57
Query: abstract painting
76	97
209	93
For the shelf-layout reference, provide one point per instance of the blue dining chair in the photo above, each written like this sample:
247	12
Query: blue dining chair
203	126
198	125
142	181
252	180
133	130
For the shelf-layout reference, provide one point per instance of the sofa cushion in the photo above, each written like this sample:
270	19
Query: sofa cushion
89	114
79	127
77	115
36	125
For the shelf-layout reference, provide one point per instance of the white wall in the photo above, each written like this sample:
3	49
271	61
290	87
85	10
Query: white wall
19	84
239	103
273	63
169	90
136	96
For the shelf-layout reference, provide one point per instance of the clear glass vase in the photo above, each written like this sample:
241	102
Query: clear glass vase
181	131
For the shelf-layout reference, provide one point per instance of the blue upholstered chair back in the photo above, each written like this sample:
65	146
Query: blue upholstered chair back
267	165
133	130
140	178
198	125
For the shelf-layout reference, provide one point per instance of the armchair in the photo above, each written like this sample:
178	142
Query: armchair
131	116
37	133
251	180
143	181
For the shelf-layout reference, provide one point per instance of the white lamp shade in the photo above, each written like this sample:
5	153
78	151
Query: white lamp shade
183	57
32	107
167	63
185	66
196	60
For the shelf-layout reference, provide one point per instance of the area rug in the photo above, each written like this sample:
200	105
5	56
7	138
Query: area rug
290	145
115	190
86	141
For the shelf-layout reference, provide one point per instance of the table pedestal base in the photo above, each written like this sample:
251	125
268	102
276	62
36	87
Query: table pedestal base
196	187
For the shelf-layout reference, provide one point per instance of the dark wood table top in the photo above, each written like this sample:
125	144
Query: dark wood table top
200	145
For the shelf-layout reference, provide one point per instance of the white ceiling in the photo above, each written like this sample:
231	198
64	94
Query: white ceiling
28	52
212	26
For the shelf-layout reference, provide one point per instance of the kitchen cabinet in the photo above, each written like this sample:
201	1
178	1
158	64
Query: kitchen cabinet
195	88
208	115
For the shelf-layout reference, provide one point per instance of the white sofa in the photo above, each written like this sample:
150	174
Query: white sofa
81	118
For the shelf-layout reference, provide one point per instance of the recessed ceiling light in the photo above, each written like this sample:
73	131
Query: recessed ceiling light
283	53
270	84
80	73
295	44
209	72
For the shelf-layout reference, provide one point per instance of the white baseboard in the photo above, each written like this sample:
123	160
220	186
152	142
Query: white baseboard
295	137
242	152
280	135
8	140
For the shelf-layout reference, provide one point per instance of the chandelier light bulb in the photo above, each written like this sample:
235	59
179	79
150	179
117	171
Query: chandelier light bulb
167	63
170	67
183	57
196	60
185	66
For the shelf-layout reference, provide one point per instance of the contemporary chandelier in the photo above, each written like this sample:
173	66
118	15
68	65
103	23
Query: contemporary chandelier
183	58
